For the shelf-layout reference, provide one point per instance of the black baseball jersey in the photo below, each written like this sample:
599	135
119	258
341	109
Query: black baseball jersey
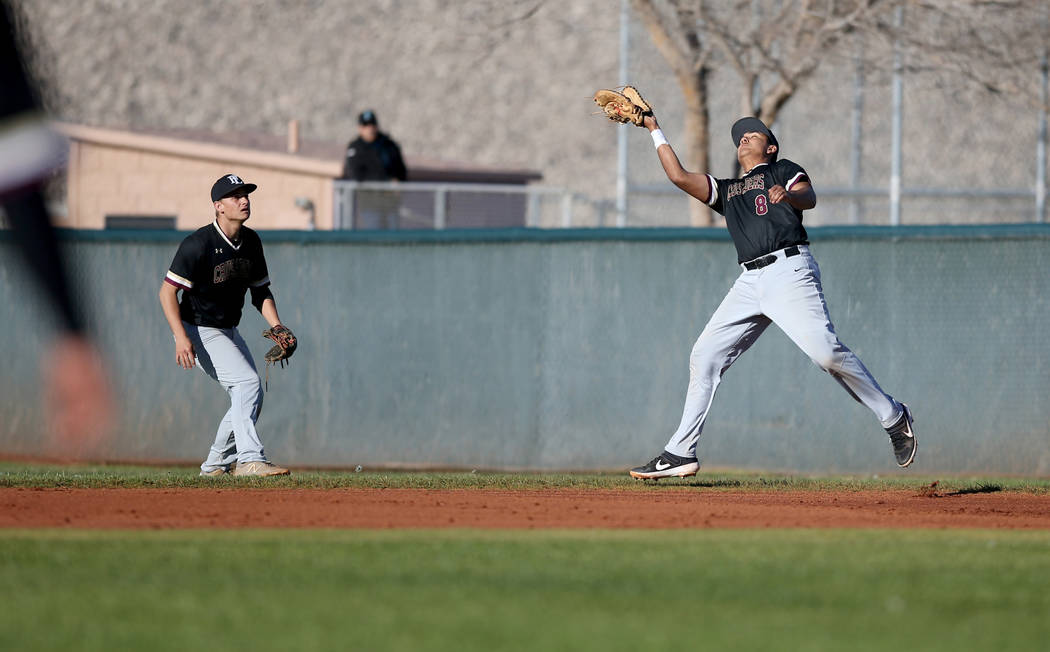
757	226
213	274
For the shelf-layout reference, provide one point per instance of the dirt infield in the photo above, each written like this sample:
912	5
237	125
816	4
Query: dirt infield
526	509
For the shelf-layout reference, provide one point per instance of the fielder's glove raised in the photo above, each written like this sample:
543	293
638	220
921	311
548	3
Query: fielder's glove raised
282	350
628	106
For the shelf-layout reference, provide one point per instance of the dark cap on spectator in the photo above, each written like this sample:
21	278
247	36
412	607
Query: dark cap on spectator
229	184
367	118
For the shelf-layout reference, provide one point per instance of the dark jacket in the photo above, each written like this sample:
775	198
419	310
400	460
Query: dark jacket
379	160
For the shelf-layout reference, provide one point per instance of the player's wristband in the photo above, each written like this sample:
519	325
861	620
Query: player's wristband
658	138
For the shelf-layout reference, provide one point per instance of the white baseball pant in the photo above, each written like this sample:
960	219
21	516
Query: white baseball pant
787	293
223	355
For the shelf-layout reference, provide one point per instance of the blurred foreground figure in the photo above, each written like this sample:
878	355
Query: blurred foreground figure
77	392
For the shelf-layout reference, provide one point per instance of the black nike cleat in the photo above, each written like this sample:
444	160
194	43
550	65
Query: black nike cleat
903	438
667	465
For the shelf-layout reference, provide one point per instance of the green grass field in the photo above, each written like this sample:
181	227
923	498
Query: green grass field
502	590
465	590
14	474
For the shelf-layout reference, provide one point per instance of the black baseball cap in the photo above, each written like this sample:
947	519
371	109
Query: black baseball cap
749	124
367	118
229	184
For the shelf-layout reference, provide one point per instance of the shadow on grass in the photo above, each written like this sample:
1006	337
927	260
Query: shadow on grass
722	483
978	489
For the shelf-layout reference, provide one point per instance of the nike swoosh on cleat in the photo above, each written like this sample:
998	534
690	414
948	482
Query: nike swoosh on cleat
661	466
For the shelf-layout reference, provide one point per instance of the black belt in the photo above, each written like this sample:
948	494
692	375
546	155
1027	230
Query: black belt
759	263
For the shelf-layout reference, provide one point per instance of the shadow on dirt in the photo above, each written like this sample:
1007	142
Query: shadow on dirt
932	491
979	489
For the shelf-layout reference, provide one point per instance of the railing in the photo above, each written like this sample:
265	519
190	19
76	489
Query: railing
428	205
362	205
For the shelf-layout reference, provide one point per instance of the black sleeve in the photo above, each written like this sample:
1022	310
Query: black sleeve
20	194
260	274
788	173
348	165
259	284
35	238
397	164
19	95
259	295
716	200
183	267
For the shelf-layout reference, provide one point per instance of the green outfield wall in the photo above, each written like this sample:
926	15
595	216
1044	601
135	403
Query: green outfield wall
524	349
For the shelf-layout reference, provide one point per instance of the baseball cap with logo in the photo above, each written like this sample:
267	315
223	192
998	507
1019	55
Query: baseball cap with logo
749	124
229	184
367	118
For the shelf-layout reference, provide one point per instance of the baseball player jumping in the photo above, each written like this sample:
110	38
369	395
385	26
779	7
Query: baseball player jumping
213	267
779	283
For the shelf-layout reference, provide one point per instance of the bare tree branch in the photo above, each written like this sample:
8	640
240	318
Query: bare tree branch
993	46
676	27
666	36
775	47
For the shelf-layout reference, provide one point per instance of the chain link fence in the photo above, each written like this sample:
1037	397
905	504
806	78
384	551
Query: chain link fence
962	154
883	144
382	205
968	155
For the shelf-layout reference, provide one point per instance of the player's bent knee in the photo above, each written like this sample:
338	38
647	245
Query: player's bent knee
250	387
702	364
827	359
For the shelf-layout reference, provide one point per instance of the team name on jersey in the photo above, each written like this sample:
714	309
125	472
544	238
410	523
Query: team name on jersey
235	268
757	182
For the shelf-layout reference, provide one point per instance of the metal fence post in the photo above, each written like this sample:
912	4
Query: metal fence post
350	206
566	210
858	119
895	157
337	206
440	207
621	133
1040	151
532	208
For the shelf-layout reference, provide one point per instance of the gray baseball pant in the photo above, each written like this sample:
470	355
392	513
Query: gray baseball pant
786	293
223	355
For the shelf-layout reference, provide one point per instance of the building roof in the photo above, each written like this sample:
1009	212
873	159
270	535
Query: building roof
312	156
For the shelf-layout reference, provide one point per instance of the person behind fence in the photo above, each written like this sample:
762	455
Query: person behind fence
374	156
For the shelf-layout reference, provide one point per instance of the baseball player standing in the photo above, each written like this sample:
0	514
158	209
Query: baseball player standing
213	267
779	283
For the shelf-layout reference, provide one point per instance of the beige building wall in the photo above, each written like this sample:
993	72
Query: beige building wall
120	173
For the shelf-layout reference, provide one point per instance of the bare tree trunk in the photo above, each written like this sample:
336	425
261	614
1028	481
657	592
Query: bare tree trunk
775	100
698	150
747	95
672	29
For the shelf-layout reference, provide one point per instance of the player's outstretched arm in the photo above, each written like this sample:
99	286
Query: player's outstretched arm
169	302
694	183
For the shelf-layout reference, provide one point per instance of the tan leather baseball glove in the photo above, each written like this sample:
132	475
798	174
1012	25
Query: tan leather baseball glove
628	106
